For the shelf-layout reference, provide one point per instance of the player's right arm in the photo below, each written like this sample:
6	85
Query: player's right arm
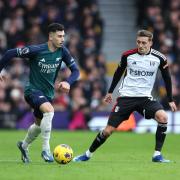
23	52
17	52
116	77
5	59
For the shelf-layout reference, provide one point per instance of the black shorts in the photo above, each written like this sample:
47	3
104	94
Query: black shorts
35	99
126	105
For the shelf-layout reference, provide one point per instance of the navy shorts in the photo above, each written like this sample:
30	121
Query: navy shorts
35	99
126	105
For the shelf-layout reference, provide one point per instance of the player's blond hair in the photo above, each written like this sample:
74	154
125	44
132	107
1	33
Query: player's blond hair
145	33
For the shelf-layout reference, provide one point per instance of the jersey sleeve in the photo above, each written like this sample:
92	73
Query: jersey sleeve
71	64
28	51
67	58
9	54
166	77
163	62
23	52
118	73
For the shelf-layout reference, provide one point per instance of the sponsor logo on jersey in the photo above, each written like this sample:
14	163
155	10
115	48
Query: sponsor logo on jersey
141	73
48	68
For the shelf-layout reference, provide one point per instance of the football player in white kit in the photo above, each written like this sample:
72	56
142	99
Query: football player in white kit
137	68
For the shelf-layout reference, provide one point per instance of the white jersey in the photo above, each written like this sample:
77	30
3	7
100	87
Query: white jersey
140	74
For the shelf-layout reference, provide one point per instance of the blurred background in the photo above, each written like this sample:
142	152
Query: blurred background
97	32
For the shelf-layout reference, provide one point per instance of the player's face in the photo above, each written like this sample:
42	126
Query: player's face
57	38
143	44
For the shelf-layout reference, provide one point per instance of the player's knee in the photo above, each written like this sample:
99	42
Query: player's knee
108	131
161	117
47	108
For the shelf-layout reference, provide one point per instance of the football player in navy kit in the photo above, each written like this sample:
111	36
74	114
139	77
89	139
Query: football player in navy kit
45	61
137	68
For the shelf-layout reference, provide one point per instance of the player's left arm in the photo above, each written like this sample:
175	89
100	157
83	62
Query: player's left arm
71	64
168	83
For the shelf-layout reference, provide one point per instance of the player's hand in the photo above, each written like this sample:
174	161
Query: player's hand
64	86
108	98
173	106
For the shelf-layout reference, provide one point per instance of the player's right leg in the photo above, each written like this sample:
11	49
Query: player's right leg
24	152
33	132
118	115
35	100
98	141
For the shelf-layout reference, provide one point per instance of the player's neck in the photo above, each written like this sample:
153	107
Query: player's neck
51	47
145	53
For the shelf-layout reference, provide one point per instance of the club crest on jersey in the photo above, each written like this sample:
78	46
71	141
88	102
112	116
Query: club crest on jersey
58	59
42	60
22	51
152	63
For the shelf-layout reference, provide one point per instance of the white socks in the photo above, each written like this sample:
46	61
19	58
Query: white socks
89	154
33	131
46	124
157	153
45	129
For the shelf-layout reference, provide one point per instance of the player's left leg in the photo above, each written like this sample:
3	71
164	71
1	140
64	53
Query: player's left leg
161	118
46	124
153	109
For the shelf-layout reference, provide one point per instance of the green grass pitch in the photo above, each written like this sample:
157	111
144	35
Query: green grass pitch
125	156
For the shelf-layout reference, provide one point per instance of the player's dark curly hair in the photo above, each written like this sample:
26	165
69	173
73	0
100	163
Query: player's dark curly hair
53	27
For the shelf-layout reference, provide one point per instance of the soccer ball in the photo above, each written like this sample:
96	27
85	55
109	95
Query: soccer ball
63	154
